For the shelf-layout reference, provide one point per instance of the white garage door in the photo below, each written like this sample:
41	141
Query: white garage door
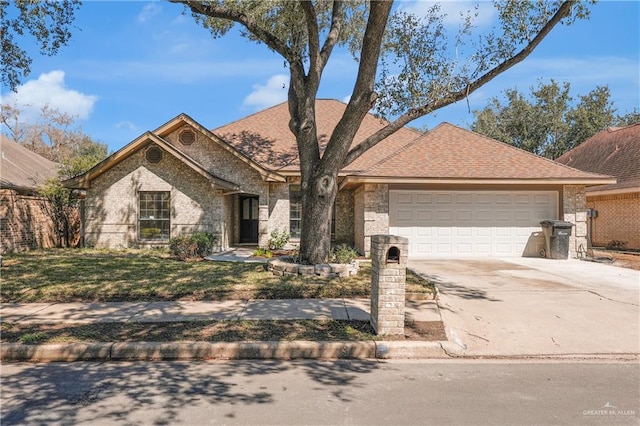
469	223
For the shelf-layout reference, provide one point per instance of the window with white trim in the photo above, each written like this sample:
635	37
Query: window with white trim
154	215
295	213
295	210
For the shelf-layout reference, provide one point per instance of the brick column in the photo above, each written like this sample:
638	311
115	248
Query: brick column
388	277
574	207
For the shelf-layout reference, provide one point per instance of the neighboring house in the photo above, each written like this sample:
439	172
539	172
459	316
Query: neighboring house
616	207
450	191
24	220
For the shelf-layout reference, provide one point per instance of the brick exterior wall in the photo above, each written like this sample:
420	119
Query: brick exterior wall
278	207
345	217
618	219
371	208
574	209
112	201
24	223
226	165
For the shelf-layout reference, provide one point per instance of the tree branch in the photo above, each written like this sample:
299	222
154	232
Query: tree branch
363	96
216	11
563	11
315	65
337	18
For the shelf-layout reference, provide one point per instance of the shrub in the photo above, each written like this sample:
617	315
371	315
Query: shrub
190	247
262	252
278	240
342	254
617	245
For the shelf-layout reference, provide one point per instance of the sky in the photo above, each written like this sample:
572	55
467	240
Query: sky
131	66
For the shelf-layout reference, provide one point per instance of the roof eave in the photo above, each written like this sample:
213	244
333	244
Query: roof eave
351	180
613	191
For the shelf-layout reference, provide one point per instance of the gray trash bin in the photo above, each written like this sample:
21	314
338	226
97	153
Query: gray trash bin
556	235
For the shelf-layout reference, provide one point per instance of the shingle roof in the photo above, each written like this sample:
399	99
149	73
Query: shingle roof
449	151
614	151
265	136
23	169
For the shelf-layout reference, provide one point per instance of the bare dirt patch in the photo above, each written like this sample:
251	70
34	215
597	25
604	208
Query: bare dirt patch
624	260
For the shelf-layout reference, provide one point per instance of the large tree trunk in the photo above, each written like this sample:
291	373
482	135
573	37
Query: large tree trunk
317	206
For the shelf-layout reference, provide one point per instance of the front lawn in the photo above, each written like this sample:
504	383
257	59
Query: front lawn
87	275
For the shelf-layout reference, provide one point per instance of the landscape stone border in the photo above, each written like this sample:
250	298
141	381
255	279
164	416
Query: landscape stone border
280	267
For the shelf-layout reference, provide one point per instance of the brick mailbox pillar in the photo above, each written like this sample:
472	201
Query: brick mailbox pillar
388	276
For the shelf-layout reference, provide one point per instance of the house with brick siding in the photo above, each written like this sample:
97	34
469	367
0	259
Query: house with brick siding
614	209
450	191
24	219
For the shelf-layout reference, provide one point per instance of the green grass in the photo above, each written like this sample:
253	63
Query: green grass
87	275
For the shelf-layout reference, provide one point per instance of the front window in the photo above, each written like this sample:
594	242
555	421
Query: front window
155	216
295	210
295	213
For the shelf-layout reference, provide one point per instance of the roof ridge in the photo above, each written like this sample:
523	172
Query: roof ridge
247	116
267	109
549	160
614	129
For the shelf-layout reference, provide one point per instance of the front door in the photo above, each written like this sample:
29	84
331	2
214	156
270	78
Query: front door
249	220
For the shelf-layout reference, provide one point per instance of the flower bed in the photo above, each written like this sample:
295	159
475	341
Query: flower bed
281	267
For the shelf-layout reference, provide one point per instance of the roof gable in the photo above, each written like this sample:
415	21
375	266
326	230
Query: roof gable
451	152
614	151
183	118
84	180
23	169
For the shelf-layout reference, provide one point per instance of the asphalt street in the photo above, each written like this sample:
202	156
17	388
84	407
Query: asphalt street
452	392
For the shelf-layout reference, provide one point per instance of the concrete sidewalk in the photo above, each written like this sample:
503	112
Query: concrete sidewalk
231	310
150	312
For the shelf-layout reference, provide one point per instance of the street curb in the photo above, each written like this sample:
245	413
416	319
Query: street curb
56	352
159	351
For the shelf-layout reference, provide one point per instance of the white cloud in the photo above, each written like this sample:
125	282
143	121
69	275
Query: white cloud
125	124
49	89
274	92
149	11
452	9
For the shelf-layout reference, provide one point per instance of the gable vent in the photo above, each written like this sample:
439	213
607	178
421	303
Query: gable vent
187	137
154	154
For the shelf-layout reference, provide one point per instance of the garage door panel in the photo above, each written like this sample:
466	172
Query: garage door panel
464	215
424	198
404	199
468	223
422	215
464	232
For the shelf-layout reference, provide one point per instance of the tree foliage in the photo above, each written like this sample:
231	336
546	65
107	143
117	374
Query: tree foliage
55	136
408	67
62	207
629	118
47	22
548	121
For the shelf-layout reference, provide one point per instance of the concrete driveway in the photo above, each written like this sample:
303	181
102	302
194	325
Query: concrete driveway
532	306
